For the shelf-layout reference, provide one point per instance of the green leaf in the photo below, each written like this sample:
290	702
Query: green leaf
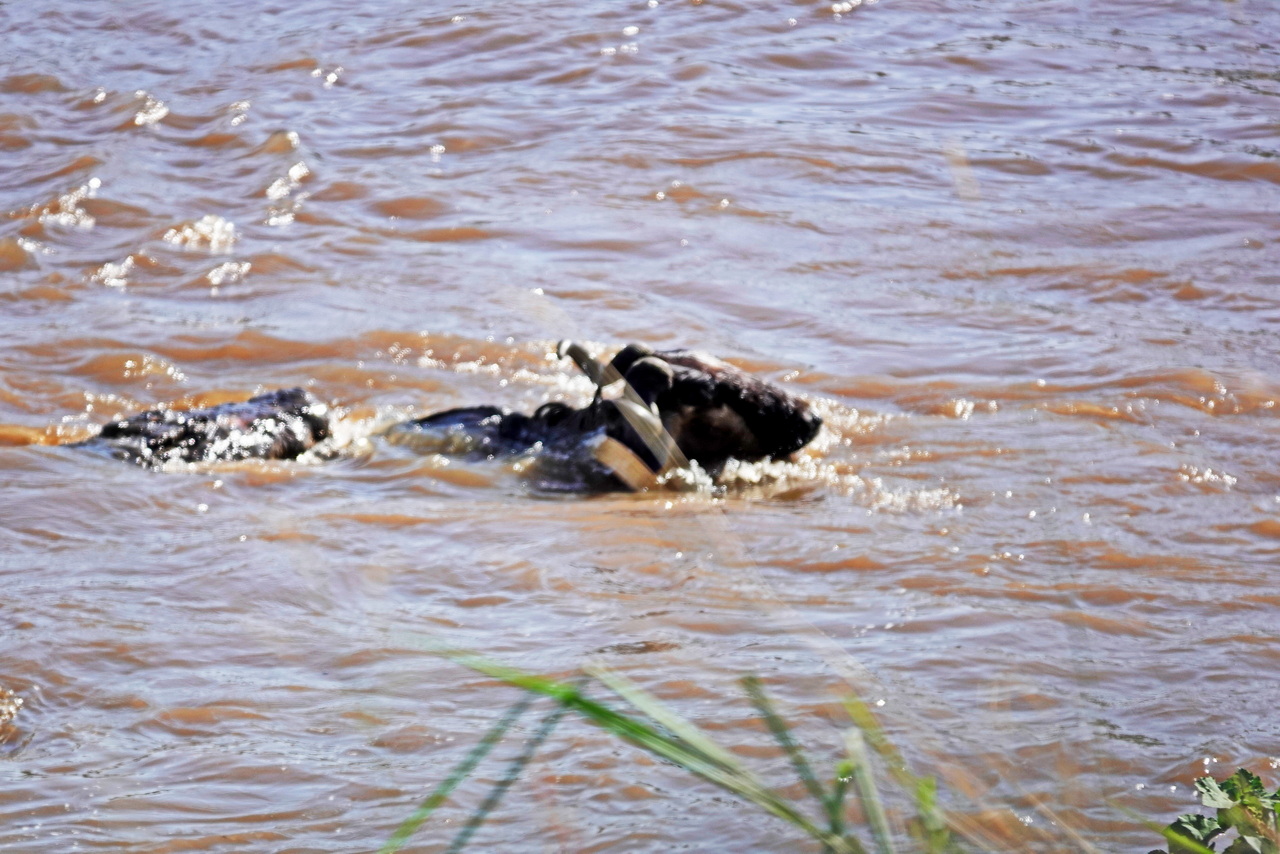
1246	845
1243	784
1197	829
930	825
1212	795
1242	803
1252	813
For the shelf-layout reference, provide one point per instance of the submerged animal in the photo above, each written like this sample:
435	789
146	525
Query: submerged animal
714	411
676	407
567	440
278	425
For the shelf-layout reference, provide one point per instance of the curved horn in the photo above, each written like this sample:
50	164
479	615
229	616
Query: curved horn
648	427
598	373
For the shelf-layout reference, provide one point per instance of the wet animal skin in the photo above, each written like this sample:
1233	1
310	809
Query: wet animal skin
677	406
278	425
556	431
714	411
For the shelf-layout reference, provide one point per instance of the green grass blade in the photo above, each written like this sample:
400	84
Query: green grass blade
735	779
934	833
937	828
460	773
1181	844
514	770
861	715
839	788
867	791
658	712
745	784
782	733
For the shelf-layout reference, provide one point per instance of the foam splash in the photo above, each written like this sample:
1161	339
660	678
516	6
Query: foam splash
114	275
228	273
1206	478
150	365
152	110
813	470
10	703
570	384
284	195
66	209
210	233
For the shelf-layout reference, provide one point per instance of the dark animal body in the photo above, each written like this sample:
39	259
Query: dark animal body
677	407
490	431
278	425
714	411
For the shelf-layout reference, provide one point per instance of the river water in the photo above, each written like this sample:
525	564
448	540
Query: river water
1021	256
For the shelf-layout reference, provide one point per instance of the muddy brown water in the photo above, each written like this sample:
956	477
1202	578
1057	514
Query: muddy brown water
1021	256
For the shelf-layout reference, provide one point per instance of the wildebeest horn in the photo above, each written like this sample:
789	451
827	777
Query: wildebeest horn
601	375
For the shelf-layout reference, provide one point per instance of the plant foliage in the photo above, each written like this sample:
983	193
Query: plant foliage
1240	803
650	725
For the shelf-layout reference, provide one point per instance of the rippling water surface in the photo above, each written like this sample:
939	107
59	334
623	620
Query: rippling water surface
1021	256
